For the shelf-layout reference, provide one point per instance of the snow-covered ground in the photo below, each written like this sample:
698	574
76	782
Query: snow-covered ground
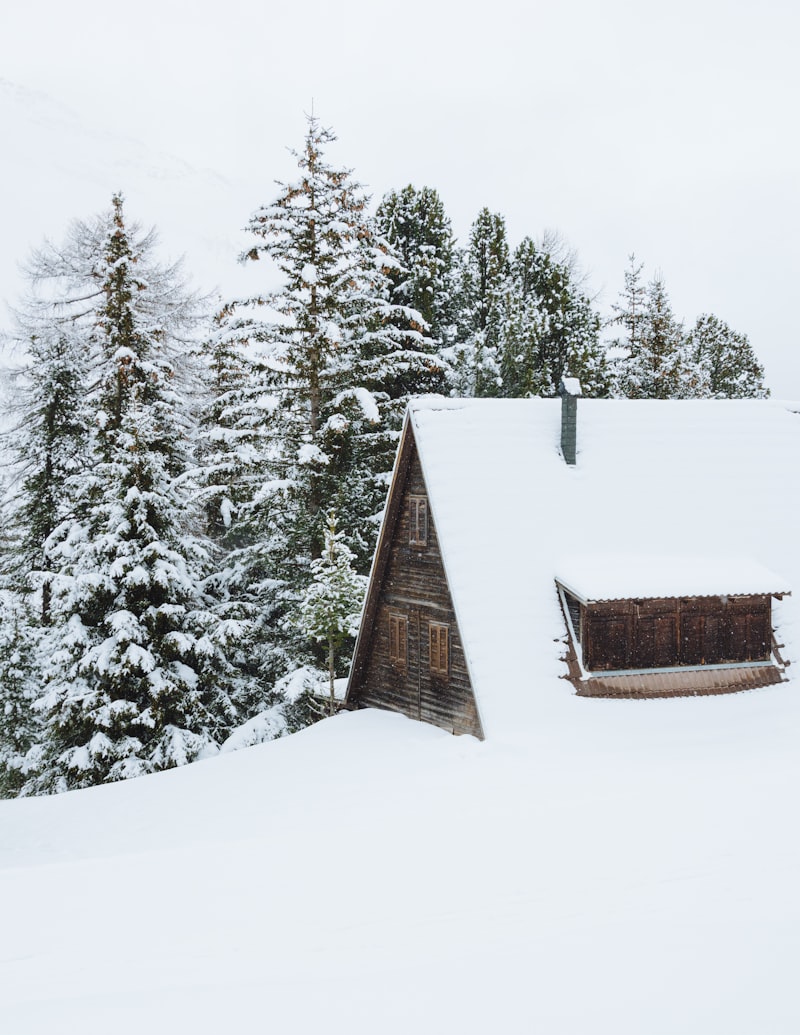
624	867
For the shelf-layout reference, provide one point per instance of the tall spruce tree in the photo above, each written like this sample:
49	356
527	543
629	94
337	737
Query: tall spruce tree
483	285
137	677
549	328
724	362
332	365
49	436
649	358
46	446
414	223
630	312
659	371
49	447
339	360
235	477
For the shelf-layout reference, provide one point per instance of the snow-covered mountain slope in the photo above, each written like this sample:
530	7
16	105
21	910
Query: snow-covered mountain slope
626	867
58	166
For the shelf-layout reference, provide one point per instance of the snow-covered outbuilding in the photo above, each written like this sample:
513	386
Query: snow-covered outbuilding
505	573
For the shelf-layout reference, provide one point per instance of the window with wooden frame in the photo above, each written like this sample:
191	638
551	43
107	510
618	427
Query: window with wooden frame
418	520
439	636
398	642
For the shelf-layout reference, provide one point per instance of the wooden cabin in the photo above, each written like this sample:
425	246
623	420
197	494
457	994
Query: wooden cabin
412	658
532	544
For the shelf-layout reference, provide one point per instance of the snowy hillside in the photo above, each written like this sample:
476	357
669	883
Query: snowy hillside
624	867
59	166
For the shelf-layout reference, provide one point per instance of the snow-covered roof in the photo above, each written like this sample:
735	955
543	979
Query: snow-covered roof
709	479
604	576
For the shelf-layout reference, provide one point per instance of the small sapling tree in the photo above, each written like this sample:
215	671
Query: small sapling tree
330	609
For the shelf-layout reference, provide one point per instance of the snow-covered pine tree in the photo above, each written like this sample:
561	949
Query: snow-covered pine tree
137	678
483	283
330	608
521	333
48	439
46	447
649	360
724	362
549	328
337	363
228	435
415	225
629	319
659	371
331	363
630	310
19	725
234	473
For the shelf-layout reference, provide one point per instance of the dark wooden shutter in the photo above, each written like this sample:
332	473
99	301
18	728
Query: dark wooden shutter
398	641
439	648
434	647
418	520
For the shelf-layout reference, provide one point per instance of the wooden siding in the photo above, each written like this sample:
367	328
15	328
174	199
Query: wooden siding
410	580
640	634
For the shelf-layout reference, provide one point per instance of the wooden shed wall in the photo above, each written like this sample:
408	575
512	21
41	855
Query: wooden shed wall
623	634
412	582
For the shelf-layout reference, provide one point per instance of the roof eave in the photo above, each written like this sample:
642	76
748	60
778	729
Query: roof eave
587	600
379	559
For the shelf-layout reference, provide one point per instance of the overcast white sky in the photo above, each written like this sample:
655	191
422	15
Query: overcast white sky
665	129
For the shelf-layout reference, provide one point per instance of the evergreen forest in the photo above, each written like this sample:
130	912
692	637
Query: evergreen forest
192	491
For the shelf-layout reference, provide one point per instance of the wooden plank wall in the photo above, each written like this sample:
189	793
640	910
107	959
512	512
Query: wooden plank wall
690	631
414	584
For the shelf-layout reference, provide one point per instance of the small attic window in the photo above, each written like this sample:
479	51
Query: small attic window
418	520
398	641
439	649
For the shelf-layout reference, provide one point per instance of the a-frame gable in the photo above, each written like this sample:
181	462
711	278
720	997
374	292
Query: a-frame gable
409	655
